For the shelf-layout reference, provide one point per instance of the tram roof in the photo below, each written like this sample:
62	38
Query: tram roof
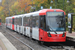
43	12
37	13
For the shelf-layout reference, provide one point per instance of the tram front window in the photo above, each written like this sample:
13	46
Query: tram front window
55	21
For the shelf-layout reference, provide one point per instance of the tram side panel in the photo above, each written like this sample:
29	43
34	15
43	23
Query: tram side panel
20	24
31	27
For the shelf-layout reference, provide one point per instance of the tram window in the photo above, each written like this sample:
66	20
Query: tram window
37	21
27	21
33	21
12	21
20	21
17	21
42	22
24	21
9	20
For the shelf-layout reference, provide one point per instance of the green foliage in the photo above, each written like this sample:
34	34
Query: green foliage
15	7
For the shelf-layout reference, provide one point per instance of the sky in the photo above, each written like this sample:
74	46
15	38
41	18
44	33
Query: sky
0	0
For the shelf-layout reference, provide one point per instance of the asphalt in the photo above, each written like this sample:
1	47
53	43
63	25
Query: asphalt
21	46
72	35
5	44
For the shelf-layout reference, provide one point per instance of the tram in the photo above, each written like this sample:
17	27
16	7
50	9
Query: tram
47	25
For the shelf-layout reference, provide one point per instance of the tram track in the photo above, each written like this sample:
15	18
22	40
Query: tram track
44	46
19	40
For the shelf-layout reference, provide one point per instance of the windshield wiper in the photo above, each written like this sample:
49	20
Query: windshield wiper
53	30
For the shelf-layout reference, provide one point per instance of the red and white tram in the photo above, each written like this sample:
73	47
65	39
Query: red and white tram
47	25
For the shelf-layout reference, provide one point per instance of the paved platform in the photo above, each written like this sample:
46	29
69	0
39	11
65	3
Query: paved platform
5	44
72	35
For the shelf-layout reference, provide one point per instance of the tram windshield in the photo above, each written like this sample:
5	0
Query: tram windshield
55	21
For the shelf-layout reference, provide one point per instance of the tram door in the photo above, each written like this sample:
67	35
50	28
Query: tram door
42	25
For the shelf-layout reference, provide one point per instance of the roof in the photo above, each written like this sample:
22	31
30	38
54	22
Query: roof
43	12
36	13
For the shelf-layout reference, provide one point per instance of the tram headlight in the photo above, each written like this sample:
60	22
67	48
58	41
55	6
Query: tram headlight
49	35
63	35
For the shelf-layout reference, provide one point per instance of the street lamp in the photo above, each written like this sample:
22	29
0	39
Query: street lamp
56	3
67	1
51	1
63	4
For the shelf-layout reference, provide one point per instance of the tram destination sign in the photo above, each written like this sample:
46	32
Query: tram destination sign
54	13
